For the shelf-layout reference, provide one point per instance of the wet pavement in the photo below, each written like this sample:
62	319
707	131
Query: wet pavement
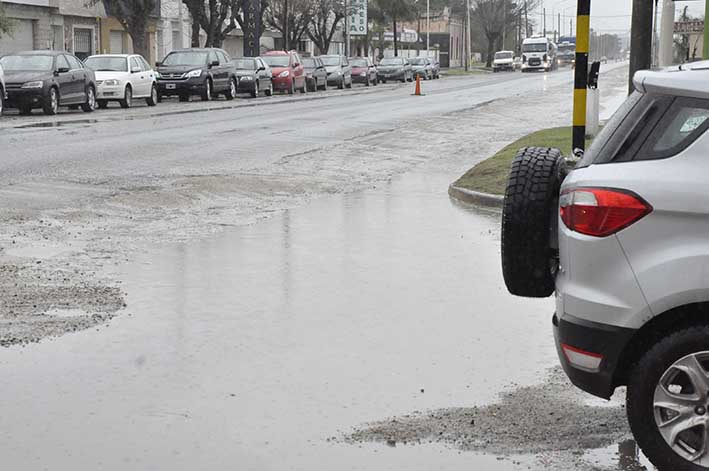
265	346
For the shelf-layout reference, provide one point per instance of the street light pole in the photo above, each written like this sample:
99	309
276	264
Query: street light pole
705	50
428	27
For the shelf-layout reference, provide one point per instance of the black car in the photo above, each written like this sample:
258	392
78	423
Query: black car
315	73
204	72
254	76
395	68
48	80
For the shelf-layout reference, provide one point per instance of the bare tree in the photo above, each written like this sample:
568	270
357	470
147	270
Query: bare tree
397	11
495	17
5	22
326	15
291	18
134	16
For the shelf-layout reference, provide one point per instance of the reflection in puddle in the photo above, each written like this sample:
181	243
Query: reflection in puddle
623	456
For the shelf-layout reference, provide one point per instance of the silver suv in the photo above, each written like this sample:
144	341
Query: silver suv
2	89
623	241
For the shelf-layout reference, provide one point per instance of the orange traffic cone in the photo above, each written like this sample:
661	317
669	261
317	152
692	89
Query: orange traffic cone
418	86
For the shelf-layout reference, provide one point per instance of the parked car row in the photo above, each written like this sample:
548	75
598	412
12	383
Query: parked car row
51	79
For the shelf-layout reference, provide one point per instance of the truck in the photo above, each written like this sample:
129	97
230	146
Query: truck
538	53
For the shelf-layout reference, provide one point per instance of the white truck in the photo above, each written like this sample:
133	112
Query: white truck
538	53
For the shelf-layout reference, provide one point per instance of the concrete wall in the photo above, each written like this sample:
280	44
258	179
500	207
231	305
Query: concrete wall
43	19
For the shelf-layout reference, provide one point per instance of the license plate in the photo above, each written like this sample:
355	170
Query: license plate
170	86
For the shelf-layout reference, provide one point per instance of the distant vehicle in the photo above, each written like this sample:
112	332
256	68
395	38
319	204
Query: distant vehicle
363	71
504	60
421	66
604	60
48	80
436	66
122	77
205	72
566	53
254	76
338	70
394	68
315	73
538	54
2	89
288	71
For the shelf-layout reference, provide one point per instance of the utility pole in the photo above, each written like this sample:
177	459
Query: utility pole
667	26
467	36
348	14
705	50
559	25
504	23
285	25
544	21
583	24
640	40
526	20
428	27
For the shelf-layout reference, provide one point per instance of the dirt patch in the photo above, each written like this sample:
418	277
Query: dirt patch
37	302
533	419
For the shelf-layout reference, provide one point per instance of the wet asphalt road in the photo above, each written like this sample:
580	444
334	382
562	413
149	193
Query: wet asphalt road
261	346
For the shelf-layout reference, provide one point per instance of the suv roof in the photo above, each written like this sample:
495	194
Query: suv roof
276	53
688	80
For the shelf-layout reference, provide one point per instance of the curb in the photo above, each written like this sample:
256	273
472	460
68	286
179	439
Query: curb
475	197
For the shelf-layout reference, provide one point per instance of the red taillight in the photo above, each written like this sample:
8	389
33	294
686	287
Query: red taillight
601	212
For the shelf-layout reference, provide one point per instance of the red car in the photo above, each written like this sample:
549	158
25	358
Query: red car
287	69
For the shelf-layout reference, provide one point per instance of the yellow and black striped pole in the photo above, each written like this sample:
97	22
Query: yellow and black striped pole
581	74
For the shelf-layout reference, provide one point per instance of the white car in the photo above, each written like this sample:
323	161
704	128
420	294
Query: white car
504	60
2	89
122	78
623	240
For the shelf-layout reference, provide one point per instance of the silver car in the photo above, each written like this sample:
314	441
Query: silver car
628	259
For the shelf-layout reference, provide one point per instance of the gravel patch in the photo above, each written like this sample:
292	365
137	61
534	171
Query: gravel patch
526	420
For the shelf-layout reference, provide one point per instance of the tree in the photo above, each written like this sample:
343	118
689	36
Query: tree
133	15
326	15
495	17
291	18
5	22
396	11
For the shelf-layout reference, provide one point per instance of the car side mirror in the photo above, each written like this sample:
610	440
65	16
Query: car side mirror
214	64
260	69
135	70
62	70
296	65
158	64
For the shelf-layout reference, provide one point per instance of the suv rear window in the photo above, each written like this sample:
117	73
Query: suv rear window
685	120
649	127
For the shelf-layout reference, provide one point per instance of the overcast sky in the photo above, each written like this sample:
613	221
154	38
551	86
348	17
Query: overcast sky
610	16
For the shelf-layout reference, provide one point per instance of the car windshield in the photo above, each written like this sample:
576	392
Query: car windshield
277	61
358	63
418	61
245	64
29	63
534	47
392	61
186	58
330	60
107	64
309	62
503	55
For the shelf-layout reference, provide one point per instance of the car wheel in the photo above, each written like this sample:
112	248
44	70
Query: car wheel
349	84
375	81
2	100
291	89
341	84
230	94
102	104
207	92
304	88
255	92
324	87
127	100
530	258
269	90
51	104
366	82
90	104
666	401
154	97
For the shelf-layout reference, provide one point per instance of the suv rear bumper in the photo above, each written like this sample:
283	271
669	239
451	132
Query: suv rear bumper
600	339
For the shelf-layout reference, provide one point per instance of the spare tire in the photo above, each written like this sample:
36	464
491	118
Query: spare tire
530	256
